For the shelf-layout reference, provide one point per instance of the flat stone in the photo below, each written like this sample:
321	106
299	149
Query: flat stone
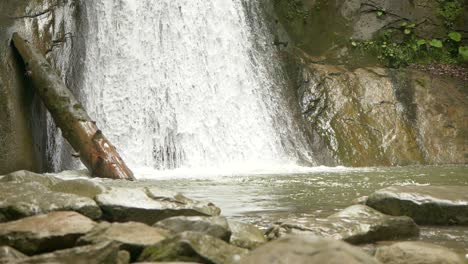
18	200
246	235
80	187
216	226
356	224
106	252
416	253
9	254
131	236
45	233
195	247
149	205
427	205
165	263
307	250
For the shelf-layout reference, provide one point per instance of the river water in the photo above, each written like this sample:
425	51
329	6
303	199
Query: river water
263	199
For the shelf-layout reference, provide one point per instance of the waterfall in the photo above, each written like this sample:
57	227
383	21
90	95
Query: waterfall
188	83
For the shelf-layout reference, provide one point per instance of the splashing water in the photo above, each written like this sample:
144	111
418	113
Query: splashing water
188	84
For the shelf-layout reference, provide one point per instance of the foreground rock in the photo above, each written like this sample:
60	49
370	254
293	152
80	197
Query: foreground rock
9	255
149	205
24	176
45	233
216	226
307	250
102	253
416	253
25	194
427	205
246	235
356	224
195	247
131	236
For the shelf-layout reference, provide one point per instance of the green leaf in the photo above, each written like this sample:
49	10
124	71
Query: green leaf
380	13
412	25
463	51
404	24
421	42
455	36
354	44
436	43
407	31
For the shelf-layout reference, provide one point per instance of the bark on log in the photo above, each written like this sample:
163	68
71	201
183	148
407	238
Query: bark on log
96	152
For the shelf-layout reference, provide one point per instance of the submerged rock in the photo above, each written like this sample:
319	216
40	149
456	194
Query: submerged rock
216	226
246	235
416	253
149	205
193	246
356	224
44	233
427	205
131	236
102	253
19	200
307	250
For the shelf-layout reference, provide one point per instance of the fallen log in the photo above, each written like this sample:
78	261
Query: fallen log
95	151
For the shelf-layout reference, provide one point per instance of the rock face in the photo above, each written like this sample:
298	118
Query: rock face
416	253
375	116
131	236
307	250
43	233
324	27
193	246
25	194
428	205
246	235
149	205
216	226
356	224
23	120
102	253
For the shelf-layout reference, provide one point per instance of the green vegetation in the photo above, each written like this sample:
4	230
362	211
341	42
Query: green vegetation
400	45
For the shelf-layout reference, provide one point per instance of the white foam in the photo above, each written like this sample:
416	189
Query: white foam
188	83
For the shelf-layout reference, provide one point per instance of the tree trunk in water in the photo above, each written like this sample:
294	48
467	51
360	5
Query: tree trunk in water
96	152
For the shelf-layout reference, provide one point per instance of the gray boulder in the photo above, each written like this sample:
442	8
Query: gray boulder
45	233
356	224
193	246
427	205
131	236
416	253
18	200
307	250
246	235
24	176
216	226
102	253
149	205
24	193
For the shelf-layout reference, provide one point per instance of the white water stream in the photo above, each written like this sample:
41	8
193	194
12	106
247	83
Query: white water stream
188	84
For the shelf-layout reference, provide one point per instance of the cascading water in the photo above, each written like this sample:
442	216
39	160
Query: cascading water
188	83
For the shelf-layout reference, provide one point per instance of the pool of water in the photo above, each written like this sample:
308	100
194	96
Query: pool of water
267	198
